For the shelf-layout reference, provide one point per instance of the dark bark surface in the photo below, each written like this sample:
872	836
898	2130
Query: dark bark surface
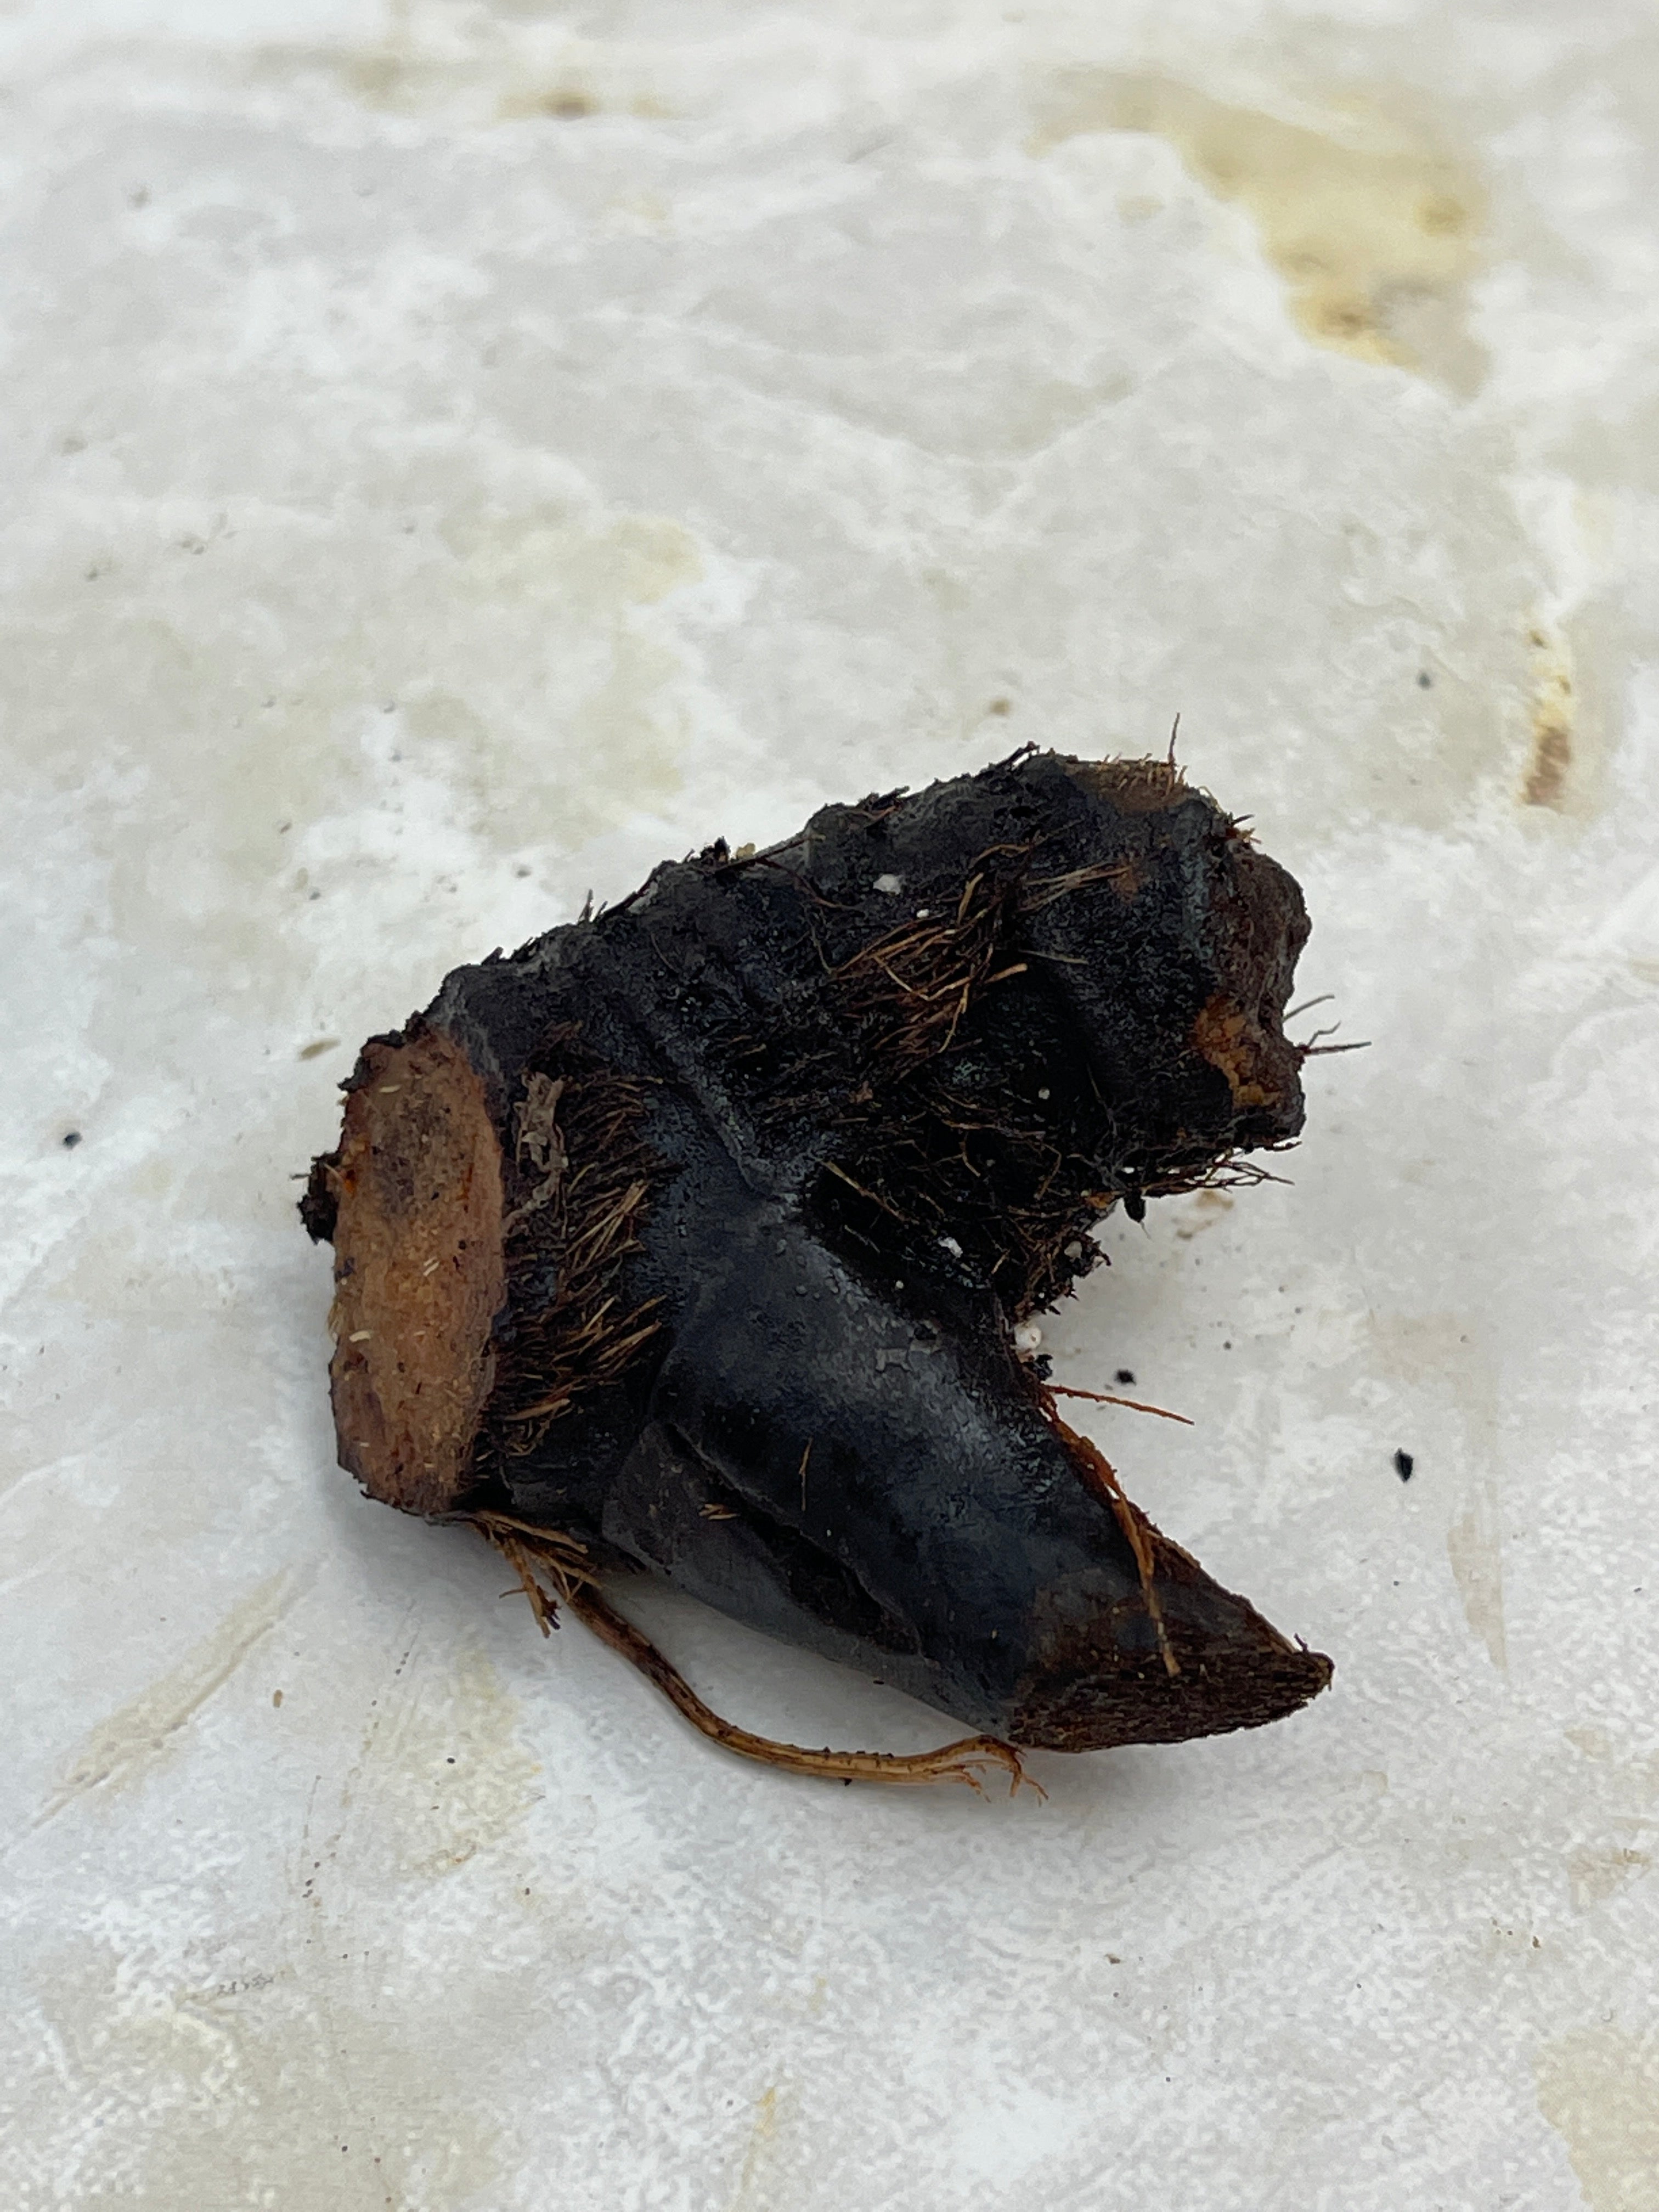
698	1232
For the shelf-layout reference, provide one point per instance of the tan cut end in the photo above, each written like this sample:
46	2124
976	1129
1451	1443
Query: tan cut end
1234	1042
419	1271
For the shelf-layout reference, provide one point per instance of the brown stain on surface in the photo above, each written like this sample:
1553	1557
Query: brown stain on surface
562	103
1553	716
486	78
1596	1872
1202	1212
1373	228
1599	2088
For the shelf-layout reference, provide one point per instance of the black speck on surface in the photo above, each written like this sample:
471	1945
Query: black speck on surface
1124	1375
71	1139
1403	1465
1424	680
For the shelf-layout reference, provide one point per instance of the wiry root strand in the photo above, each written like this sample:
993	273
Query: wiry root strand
555	1570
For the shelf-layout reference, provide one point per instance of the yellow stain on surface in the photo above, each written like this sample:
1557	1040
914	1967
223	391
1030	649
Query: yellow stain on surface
443	1773
633	560
1374	230
1599	2088
1595	1873
1474	1547
758	2159
129	1741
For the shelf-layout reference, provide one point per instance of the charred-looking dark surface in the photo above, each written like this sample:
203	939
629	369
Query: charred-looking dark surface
698	1232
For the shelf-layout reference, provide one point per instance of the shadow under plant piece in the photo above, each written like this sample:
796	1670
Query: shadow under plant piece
694	1237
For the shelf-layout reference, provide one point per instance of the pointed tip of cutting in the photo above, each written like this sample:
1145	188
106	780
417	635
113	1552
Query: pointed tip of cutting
1217	1665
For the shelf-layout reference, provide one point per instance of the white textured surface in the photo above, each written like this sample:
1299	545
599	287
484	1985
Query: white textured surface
455	457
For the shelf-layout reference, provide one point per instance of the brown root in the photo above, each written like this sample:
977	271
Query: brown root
535	1552
1106	1398
1097	1469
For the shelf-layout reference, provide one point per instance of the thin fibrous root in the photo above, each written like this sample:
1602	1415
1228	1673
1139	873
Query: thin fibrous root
1105	1398
526	1548
534	1553
1100	1470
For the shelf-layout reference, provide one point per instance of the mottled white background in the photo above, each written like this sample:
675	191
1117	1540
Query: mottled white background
457	455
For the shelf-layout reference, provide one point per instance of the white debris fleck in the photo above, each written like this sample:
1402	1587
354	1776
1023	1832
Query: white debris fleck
951	1246
1027	1337
889	884
924	913
1044	1092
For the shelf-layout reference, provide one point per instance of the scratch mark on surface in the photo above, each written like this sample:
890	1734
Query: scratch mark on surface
123	1744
